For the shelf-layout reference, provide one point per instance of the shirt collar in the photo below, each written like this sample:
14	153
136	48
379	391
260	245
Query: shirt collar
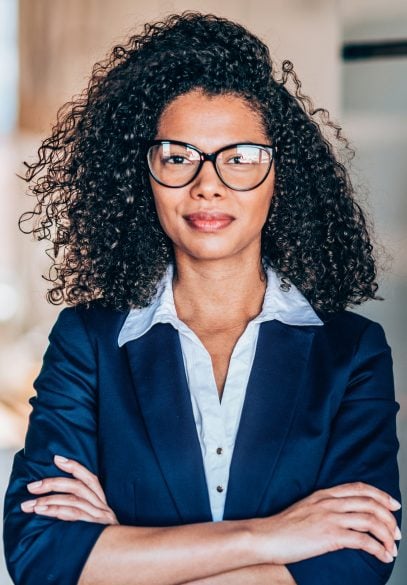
288	306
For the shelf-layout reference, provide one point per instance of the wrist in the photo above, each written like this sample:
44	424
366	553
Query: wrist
260	540
253	539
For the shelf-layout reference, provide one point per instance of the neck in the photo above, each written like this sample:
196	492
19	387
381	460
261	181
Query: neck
219	292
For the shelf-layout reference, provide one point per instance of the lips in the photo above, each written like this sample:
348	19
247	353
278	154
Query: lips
208	221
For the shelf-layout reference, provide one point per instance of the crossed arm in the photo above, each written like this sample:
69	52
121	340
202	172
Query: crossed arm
342	533
249	552
228	544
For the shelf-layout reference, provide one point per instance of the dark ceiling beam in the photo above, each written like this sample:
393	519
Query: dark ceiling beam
374	50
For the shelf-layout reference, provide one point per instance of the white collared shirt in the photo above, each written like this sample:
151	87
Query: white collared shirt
217	421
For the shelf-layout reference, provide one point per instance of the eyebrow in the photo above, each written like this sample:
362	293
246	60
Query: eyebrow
254	142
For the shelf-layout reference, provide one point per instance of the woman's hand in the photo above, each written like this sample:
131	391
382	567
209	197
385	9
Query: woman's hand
351	515
81	498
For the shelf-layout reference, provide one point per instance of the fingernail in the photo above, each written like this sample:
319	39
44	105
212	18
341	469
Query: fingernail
394	550
395	503
389	557
28	505
34	484
41	508
397	533
60	459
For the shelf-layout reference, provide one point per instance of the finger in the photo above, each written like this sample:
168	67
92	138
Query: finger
360	489
363	504
362	541
65	500
365	522
68	513
66	485
28	506
82	473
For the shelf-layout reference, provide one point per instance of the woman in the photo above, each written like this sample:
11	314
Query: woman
208	242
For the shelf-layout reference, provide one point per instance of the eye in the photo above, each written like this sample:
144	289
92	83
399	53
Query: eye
240	160
237	159
175	159
242	155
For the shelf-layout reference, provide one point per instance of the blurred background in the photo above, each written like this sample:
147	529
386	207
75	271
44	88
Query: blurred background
351	56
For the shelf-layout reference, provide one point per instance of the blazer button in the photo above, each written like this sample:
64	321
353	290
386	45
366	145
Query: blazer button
219	450
219	489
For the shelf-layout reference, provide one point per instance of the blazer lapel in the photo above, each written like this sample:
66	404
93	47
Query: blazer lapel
271	397
158	373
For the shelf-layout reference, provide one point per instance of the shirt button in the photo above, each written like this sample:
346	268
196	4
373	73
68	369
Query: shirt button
219	450
219	489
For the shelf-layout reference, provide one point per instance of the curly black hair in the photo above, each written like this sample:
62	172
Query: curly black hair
94	200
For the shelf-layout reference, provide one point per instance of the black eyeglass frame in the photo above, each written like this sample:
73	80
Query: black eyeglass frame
210	156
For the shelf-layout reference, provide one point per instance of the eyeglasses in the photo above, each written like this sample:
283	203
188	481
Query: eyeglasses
240	167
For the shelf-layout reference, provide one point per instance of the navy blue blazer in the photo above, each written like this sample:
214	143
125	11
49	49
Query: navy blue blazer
319	411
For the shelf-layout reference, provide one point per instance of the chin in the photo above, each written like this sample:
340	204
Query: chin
210	253
202	255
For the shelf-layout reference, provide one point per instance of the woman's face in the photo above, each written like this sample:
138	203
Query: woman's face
206	219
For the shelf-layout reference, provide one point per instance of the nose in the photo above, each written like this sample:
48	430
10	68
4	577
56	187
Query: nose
207	184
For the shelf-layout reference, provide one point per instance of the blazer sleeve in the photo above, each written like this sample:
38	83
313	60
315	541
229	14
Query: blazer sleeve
363	446
41	549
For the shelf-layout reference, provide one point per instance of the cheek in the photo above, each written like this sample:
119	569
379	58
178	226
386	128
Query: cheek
160	201
267	196
166	207
260	208
163	216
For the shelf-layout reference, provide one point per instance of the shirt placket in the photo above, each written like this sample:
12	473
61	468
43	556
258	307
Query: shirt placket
210	427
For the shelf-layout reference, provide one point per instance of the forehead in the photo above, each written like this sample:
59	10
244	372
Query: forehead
210	121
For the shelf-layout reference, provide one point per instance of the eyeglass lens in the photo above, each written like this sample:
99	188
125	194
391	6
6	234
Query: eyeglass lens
243	166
